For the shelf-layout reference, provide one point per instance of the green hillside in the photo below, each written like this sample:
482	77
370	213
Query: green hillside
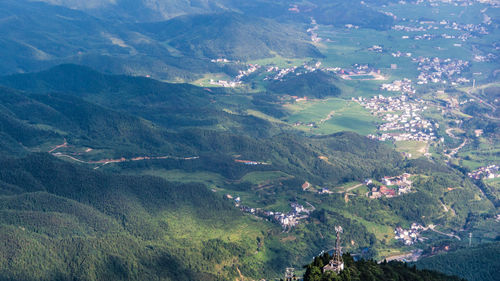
333	12
232	36
316	84
60	221
132	127
477	263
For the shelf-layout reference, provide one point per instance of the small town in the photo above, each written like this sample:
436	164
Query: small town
409	120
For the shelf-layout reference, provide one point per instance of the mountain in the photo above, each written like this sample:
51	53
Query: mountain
333	12
233	36
119	226
132	116
36	35
131	126
143	10
60	222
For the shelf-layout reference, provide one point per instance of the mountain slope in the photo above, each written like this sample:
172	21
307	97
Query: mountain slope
332	12
69	222
101	112
479	263
316	84
35	36
233	36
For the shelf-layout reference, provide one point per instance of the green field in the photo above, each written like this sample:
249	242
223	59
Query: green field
344	115
181	176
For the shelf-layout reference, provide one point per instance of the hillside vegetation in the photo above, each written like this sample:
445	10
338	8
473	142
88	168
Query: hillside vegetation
60	222
232	36
474	264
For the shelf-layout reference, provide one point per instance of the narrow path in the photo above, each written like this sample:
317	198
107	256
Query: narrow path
433	228
123	159
328	117
353	187
65	144
449	133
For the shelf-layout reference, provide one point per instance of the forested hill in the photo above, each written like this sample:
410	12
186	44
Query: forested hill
316	84
84	224
364	270
59	221
477	263
131	116
332	12
231	35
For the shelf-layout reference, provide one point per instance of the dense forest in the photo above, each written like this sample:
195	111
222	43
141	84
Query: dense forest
477	263
60	222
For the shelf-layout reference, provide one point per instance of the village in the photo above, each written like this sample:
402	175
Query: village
443	71
401	116
487	172
405	86
409	236
237	81
400	185
286	220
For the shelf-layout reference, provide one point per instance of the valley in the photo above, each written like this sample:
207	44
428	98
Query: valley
226	141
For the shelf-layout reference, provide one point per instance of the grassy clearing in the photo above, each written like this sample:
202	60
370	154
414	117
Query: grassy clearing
182	176
331	116
262	177
280	61
264	116
382	232
416	148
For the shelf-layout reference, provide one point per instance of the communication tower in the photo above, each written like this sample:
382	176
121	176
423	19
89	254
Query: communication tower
336	263
290	274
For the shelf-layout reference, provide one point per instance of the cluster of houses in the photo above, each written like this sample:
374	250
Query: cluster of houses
358	70
409	236
225	83
276	73
468	29
405	86
286	220
438	70
236	82
376	49
312	31
398	54
487	172
402	119
250	162
399	185
279	73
